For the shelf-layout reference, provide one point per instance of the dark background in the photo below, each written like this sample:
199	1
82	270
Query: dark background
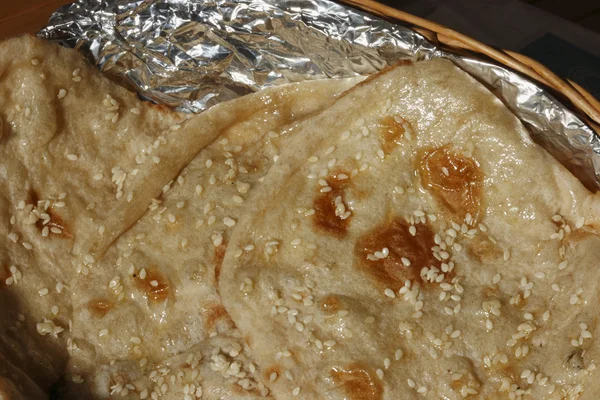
585	13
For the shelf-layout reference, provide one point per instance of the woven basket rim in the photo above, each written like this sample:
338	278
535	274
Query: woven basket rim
581	100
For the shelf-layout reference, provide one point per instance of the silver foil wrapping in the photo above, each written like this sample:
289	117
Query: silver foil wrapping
192	54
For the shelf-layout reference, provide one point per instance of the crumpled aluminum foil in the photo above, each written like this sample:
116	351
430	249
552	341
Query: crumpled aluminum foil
192	54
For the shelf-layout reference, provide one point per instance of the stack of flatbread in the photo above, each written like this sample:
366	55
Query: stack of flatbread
397	238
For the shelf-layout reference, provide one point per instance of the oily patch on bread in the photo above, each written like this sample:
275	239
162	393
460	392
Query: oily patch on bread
393	129
359	381
155	286
455	180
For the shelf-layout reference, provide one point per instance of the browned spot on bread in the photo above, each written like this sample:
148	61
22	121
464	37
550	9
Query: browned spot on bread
483	249
4	274
215	313
155	286
324	205
55	220
331	304
218	260
395	235
99	307
161	108
508	370
390	134
273	368
455	180
359	381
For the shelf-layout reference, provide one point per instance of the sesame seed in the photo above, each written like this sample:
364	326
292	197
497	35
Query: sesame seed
296	391
412	230
72	157
35	61
389	293
398	354
154	283
61	93
229	221
562	265
379	373
506	255
103	332
386	363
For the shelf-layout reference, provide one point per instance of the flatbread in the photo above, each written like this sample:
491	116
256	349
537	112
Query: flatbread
155	292
412	241
82	160
60	137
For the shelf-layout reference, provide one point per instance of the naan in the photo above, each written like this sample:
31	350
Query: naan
149	313
65	133
412	241
82	160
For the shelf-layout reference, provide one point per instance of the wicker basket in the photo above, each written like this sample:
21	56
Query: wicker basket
581	101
